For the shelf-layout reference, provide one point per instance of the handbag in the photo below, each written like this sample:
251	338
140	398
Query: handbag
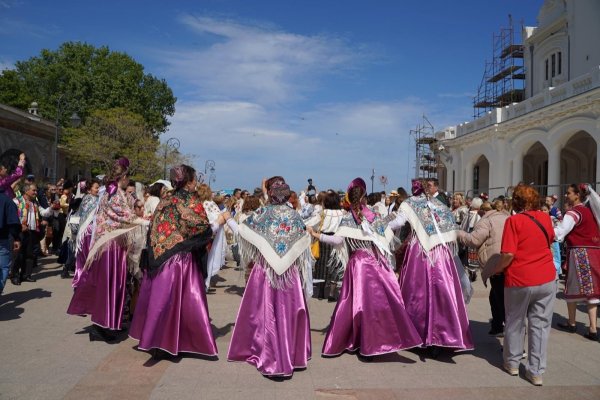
315	247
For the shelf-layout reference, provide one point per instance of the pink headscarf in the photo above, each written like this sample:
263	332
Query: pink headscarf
417	187
364	210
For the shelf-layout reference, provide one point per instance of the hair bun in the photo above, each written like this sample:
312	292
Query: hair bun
584	188
176	176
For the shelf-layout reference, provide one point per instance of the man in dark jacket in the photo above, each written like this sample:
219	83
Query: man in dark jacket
433	191
10	227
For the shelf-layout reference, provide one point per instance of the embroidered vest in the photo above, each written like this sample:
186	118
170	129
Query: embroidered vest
586	232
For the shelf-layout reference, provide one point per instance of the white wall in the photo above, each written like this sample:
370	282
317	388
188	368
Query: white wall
584	31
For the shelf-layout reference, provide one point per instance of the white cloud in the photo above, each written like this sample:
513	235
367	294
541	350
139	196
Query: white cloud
255	62
14	27
6	64
240	109
332	143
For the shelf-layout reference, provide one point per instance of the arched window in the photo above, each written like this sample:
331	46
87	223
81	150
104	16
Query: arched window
553	65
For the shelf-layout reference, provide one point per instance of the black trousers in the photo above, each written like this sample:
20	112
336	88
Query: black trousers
497	301
25	261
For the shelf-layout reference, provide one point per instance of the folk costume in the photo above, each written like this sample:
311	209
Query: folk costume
580	230
216	256
429	278
83	233
272	329
369	316
102	293
172	312
328	270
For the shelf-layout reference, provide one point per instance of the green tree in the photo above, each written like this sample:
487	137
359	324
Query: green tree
109	134
88	78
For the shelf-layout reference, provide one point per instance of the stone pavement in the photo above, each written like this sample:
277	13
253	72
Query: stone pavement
46	354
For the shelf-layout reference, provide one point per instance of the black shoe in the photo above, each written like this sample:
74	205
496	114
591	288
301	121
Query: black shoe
566	327
331	299
365	358
472	276
592	336
65	273
15	281
28	279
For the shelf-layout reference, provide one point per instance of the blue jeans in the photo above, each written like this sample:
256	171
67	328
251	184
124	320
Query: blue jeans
5	256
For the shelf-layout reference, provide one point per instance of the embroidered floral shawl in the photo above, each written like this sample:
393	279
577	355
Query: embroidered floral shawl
275	235
179	225
421	213
115	220
115	212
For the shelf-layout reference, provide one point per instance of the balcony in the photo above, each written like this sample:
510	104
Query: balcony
549	96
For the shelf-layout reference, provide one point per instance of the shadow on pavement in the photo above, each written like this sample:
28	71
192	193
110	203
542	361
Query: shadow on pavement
486	347
47	272
234	289
223	331
9	303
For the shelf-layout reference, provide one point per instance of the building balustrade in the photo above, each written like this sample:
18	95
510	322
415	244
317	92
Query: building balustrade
545	98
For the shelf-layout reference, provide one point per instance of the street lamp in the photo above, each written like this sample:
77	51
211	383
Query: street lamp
372	179
172	145
75	122
209	165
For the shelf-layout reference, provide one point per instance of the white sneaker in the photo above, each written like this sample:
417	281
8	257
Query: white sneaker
536	380
511	371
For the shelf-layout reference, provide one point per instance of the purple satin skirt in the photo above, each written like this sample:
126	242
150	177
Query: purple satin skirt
272	329
102	294
81	275
172	312
433	298
369	315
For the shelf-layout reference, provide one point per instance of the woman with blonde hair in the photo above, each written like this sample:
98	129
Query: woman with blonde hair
460	211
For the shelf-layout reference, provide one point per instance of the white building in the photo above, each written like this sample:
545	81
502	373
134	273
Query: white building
551	137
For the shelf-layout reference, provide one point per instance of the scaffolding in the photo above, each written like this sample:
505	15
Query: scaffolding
503	81
426	160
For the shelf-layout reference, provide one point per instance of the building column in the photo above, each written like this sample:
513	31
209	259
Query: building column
554	169
468	184
517	175
498	163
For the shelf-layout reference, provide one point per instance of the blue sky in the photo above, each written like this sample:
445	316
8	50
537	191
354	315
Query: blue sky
321	89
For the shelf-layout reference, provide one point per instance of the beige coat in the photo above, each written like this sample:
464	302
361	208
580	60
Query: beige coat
486	237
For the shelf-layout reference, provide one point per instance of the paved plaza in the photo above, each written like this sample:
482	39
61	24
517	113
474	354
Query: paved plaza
46	354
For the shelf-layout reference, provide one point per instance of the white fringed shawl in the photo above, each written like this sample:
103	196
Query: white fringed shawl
274	236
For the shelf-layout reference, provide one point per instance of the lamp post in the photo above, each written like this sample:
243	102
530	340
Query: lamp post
209	166
372	179
75	121
172	144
